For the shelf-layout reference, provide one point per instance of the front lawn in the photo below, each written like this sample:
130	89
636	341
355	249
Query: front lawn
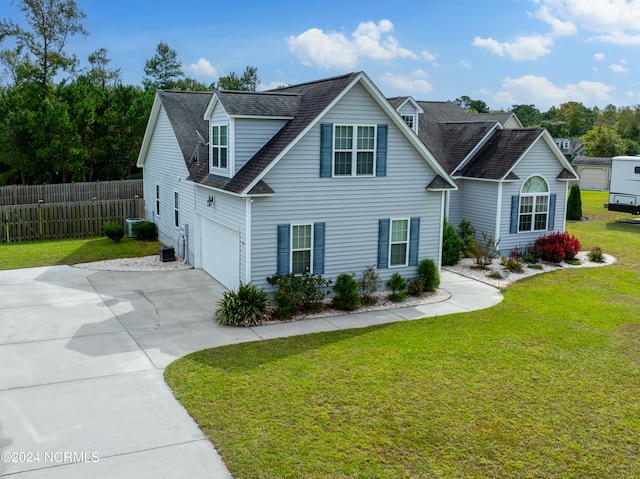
544	385
73	251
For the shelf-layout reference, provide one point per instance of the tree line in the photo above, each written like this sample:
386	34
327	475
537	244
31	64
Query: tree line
63	122
605	132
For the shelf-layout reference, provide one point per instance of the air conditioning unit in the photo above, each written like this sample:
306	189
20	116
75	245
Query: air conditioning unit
167	253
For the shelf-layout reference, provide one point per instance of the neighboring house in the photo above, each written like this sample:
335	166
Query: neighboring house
594	173
512	182
324	177
508	119
571	147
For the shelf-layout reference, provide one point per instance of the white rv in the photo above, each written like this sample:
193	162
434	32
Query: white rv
624	192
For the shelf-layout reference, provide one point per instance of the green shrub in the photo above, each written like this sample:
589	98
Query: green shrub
574	203
451	244
428	273
298	293
248	306
534	266
346	290
512	264
398	287
145	230
113	230
369	285
467	234
496	275
416	287
595	255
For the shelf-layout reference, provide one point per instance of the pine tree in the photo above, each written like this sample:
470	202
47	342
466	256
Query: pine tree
574	204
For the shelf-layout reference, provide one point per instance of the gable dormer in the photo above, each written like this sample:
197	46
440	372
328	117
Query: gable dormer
409	110
241	123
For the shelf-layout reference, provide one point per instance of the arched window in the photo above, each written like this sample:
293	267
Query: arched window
534	205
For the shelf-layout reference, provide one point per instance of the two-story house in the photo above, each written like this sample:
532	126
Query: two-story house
323	177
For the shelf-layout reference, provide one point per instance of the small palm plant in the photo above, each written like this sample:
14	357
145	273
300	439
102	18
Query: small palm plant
248	306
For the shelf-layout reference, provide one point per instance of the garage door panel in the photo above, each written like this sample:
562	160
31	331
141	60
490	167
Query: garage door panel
220	252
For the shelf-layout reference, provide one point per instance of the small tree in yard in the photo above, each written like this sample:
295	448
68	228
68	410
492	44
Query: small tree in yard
346	293
452	245
574	203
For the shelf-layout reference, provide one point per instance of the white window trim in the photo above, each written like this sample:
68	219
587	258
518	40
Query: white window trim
409	116
354	150
535	197
212	167
291	249
391	242
176	209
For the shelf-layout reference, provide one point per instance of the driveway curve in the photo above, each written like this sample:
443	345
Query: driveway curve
82	392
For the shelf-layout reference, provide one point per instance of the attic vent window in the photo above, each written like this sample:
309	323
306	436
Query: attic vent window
408	119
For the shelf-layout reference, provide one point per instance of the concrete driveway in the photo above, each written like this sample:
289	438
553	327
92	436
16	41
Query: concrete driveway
82	354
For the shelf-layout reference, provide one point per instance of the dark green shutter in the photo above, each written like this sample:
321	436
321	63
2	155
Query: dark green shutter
414	241
381	151
383	243
318	248
552	212
283	248
326	148
515	210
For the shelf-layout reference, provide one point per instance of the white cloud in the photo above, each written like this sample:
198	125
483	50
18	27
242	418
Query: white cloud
523	48
532	89
429	56
465	64
618	68
614	21
530	47
203	68
333	49
598	57
414	83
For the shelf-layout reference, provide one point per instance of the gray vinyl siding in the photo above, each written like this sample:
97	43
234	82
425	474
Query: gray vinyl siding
479	206
250	135
538	161
164	166
228	210
350	207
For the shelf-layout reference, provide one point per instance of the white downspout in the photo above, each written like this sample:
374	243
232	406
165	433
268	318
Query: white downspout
496	236
440	228
247	246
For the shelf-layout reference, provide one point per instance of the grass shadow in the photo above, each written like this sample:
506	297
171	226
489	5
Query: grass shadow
249	356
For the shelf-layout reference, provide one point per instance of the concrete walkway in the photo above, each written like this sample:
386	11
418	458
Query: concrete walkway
83	352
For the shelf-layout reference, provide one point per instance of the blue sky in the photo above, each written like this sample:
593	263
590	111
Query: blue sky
541	52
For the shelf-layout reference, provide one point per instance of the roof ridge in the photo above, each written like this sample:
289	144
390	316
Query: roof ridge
314	82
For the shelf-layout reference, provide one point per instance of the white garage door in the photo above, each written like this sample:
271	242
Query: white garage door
220	252
593	179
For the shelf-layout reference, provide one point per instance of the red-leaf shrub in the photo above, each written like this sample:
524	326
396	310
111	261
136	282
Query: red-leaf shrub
556	247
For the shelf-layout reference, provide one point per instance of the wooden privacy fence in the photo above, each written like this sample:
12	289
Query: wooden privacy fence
71	192
64	220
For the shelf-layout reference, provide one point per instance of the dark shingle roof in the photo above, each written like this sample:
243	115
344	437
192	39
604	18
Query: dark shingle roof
439	183
268	104
302	103
499	155
446	129
591	161
185	111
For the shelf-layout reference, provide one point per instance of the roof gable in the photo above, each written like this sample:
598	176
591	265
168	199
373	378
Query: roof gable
184	111
496	159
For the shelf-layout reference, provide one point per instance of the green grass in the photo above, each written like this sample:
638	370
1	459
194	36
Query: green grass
47	253
544	385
